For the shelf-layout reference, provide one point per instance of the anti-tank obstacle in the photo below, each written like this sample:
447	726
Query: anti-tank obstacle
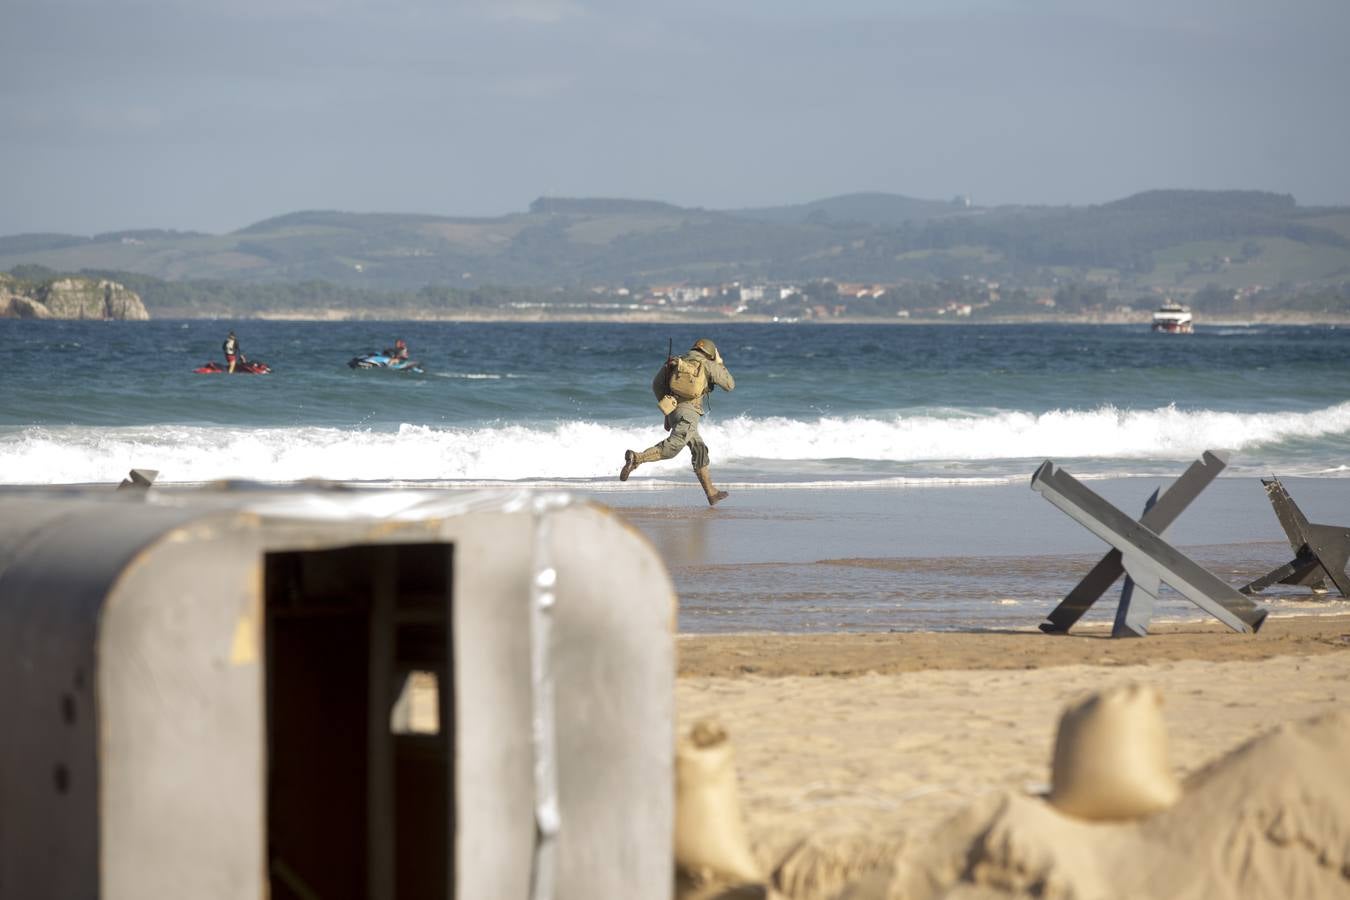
139	480
1320	551
1131	616
1141	554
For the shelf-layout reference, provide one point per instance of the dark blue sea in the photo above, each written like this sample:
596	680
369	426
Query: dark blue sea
826	404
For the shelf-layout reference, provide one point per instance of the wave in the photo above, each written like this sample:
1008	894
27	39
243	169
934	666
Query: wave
1102	433
899	448
477	376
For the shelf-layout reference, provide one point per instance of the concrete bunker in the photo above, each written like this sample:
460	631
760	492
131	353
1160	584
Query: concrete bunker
255	693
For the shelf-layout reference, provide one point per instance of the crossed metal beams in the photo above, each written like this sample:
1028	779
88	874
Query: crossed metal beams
139	479
1141	555
1320	551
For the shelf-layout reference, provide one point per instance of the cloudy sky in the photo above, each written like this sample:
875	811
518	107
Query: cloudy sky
198	114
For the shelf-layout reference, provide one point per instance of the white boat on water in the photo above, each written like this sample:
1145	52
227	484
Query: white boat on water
1172	318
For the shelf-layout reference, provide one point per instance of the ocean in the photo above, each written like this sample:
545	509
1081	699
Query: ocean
891	448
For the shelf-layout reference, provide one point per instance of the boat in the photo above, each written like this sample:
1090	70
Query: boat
385	361
1172	318
243	367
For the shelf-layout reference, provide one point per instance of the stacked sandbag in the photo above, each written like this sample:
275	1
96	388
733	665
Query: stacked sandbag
1269	819
710	838
1110	761
837	865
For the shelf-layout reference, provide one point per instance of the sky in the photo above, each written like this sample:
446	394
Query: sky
205	115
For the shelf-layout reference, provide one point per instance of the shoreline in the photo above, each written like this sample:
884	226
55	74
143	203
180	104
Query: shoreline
837	565
774	655
714	318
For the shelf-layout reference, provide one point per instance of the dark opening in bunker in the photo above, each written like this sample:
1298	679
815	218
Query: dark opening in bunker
360	722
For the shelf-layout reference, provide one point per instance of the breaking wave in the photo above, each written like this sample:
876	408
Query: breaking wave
1314	442
1102	433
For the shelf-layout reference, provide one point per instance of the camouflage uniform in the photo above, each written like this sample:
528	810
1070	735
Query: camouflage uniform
682	422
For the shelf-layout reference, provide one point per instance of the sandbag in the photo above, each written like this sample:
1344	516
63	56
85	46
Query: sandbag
1110	757
710	834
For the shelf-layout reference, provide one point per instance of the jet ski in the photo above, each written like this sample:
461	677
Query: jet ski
243	367
385	361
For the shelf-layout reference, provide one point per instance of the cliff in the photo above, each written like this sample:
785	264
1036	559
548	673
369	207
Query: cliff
69	298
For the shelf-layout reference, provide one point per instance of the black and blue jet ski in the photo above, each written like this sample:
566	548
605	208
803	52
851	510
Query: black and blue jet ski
385	360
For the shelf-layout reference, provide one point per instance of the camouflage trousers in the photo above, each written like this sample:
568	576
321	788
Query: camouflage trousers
683	427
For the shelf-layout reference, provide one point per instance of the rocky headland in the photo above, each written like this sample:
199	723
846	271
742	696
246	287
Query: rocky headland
70	297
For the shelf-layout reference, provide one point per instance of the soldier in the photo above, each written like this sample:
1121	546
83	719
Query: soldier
680	387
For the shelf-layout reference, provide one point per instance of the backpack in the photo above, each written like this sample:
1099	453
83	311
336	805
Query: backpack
688	378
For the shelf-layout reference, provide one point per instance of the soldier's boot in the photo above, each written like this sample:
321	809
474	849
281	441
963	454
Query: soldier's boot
632	459
709	489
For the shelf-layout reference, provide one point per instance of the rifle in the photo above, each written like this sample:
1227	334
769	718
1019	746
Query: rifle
667	403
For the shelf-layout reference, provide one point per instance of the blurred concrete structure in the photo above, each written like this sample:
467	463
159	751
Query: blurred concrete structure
205	693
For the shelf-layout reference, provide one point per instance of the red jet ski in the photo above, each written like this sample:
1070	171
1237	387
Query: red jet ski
243	367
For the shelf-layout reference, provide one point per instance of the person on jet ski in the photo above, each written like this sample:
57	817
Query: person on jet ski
231	349
399	354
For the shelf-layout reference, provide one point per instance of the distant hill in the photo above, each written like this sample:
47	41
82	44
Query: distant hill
601	206
852	209
36	243
1219	201
1173	240
21	244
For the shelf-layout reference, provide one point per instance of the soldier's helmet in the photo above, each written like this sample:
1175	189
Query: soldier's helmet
706	347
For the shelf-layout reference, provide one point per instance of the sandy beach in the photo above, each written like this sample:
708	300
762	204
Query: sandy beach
851	746
893	709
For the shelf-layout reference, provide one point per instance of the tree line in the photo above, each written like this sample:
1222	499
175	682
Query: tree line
914	298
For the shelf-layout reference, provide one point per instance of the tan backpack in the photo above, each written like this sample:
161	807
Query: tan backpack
688	378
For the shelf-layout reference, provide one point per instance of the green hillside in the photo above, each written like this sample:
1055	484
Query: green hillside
1174	240
881	210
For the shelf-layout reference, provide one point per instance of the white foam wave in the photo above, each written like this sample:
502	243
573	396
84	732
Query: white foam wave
1102	433
590	450
477	376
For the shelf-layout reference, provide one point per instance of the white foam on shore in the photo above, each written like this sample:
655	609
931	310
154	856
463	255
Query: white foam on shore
1106	432
1006	444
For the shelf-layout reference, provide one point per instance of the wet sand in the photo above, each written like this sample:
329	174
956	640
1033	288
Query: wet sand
925	558
861	742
